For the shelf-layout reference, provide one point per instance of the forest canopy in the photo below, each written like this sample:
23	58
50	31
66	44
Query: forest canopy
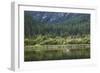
56	24
56	35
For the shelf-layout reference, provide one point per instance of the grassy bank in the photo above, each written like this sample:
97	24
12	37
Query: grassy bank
49	47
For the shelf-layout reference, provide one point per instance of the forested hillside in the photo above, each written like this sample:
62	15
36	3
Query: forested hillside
66	24
56	28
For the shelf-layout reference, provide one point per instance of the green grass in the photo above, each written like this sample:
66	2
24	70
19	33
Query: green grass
57	40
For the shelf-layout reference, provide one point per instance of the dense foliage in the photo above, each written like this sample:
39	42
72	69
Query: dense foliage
79	25
68	28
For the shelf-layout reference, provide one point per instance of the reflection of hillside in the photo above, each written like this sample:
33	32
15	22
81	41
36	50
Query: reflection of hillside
56	52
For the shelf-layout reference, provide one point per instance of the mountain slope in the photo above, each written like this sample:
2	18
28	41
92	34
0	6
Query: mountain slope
56	24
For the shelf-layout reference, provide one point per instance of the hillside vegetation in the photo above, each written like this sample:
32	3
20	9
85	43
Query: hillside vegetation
47	36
